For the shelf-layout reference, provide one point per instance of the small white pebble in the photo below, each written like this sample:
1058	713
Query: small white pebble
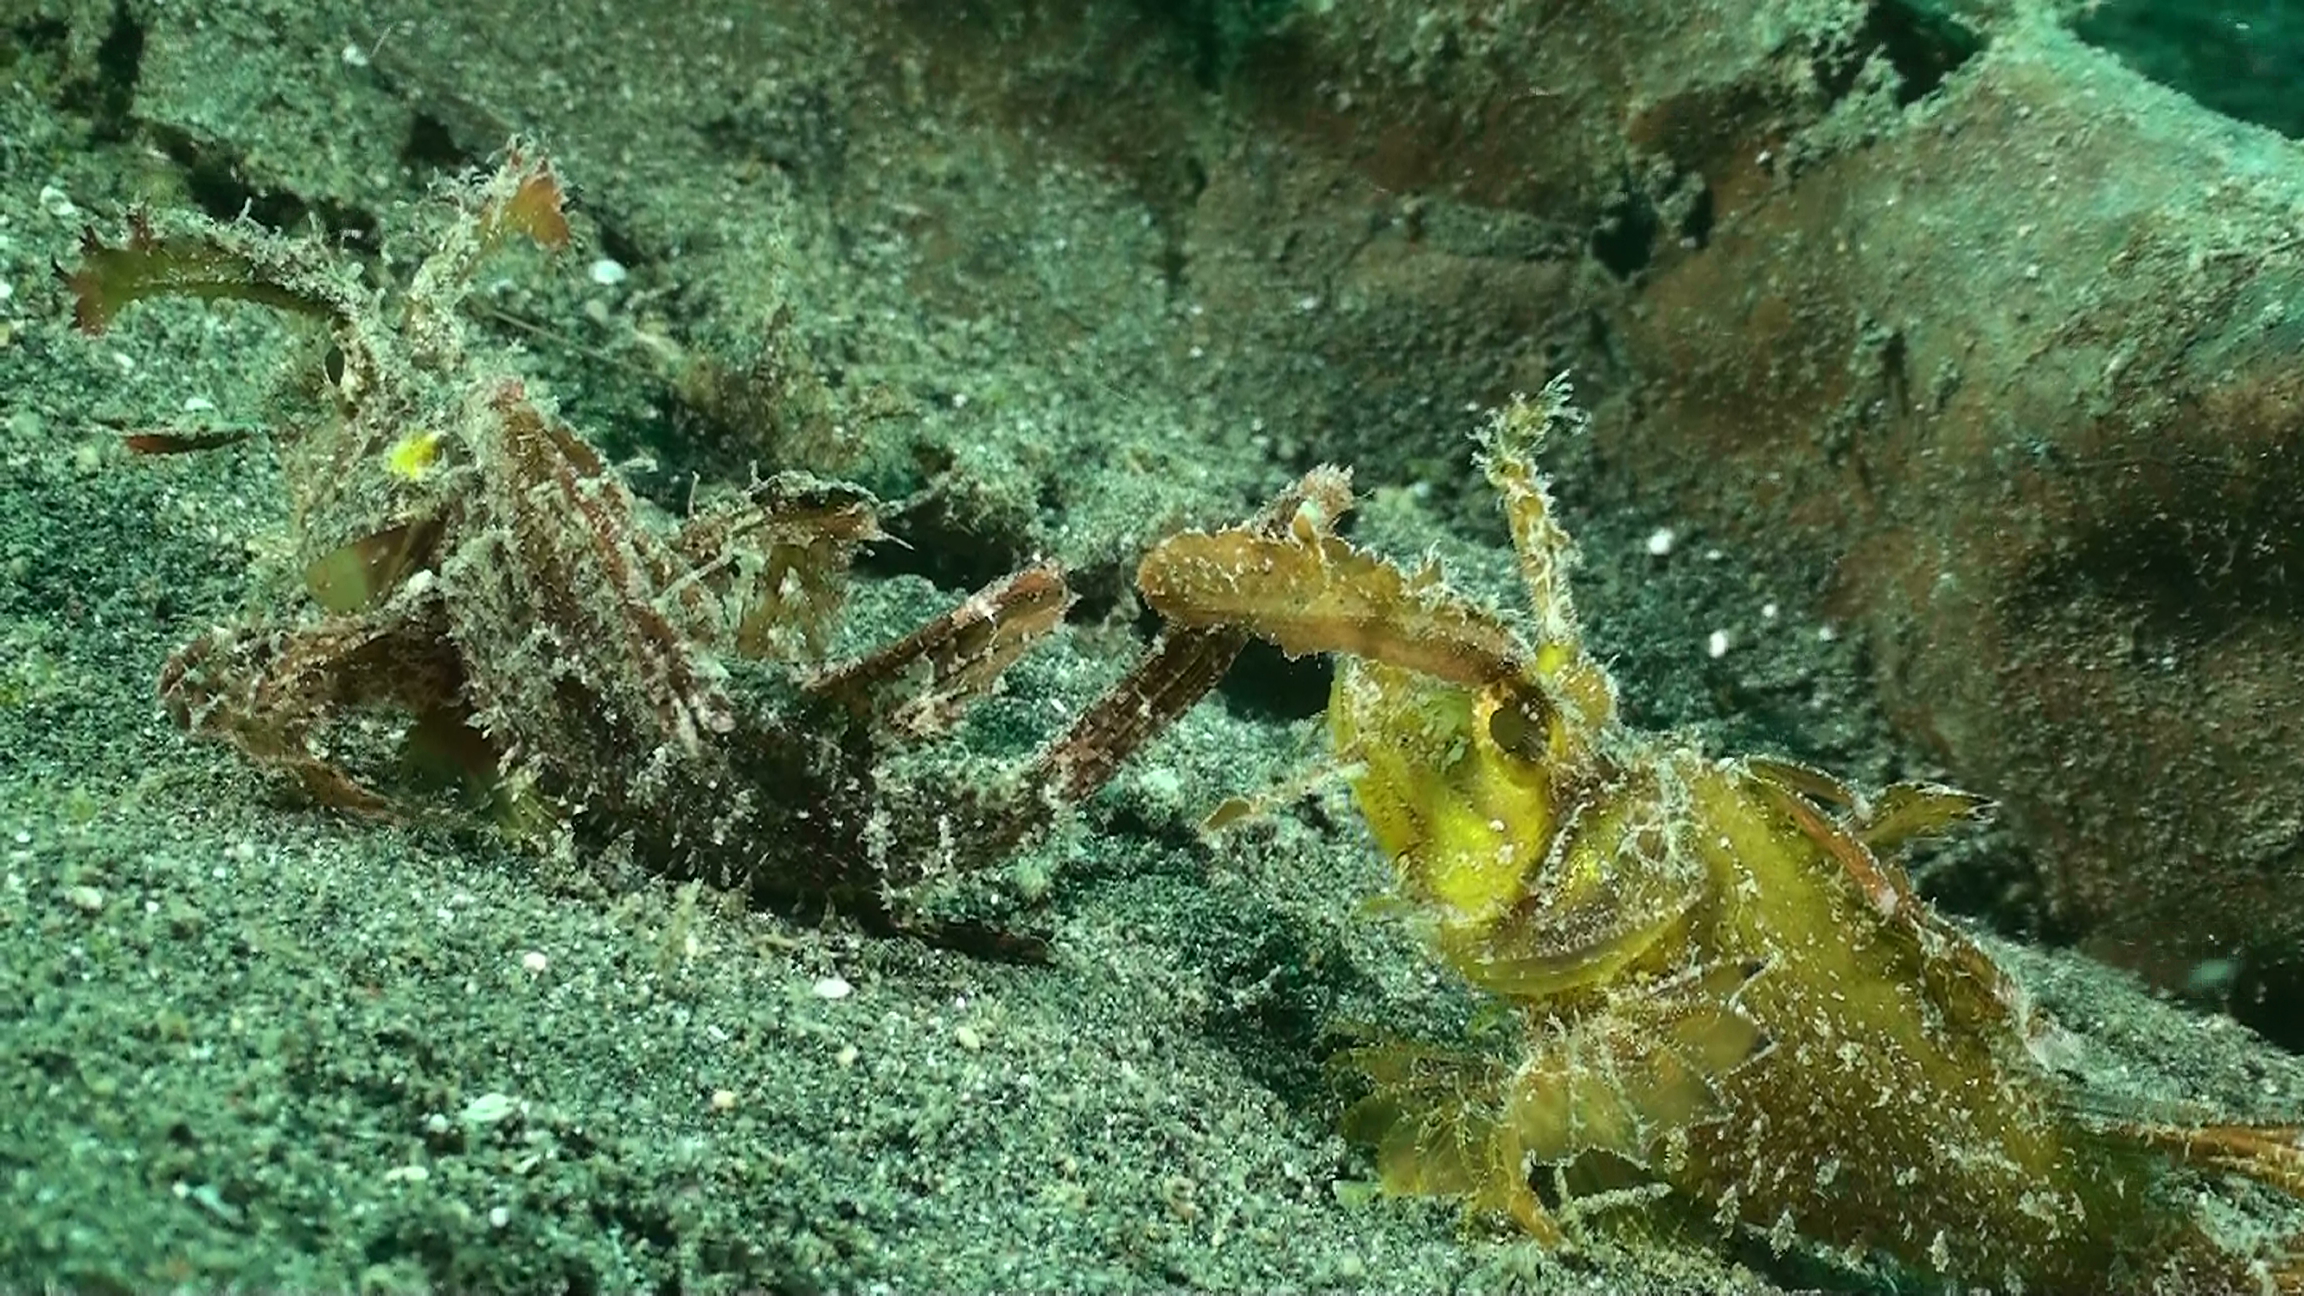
198	405
7	290
124	361
723	1100
86	899
353	56
834	988
1826	634
608	272
967	1038
1769	611
55	203
499	1216
1307	304
535	961
959	400
1716	645
1661	540
490	1108
847	1056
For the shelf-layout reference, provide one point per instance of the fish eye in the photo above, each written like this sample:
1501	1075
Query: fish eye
1520	724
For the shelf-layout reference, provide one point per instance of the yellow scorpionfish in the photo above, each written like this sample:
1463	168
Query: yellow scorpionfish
1719	976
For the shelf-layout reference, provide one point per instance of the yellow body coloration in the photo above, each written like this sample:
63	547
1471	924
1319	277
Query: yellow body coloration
413	455
1723	980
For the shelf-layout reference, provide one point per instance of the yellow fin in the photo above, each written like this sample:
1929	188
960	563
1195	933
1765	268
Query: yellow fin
1906	811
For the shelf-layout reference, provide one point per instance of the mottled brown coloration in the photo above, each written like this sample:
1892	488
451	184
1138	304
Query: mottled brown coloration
615	681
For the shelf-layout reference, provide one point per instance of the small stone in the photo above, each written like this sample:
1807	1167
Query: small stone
2210	977
86	899
834	988
489	1109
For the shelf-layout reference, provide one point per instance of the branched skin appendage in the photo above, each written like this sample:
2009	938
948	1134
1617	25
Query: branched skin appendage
611	679
1721	975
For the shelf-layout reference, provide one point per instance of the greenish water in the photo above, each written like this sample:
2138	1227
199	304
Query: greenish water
251	1044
